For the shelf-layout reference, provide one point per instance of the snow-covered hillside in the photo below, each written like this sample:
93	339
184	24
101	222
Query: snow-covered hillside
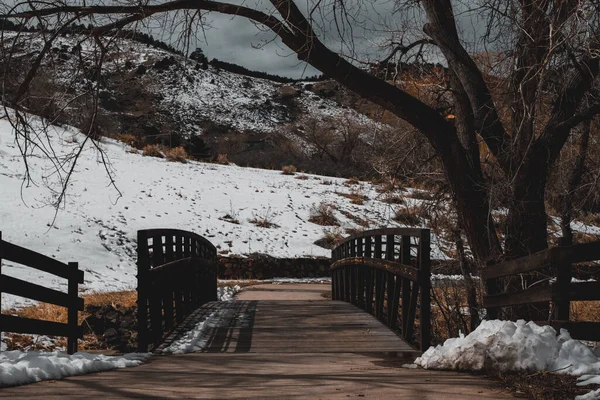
98	228
146	90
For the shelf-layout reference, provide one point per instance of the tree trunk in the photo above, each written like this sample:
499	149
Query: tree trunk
526	231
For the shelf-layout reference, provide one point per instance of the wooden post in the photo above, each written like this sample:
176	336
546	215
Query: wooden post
72	311
562	260
1	254
377	246
405	259
389	247
425	283
143	265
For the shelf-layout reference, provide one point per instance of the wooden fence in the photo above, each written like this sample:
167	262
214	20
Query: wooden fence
71	300
386	272
558	262
177	273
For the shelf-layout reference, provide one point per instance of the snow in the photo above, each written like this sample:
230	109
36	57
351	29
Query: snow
97	226
226	293
516	346
19	368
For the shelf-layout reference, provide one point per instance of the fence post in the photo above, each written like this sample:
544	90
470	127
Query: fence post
143	264
1	253
73	312
425	282
561	258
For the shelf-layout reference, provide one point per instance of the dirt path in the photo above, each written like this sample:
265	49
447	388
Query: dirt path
279	342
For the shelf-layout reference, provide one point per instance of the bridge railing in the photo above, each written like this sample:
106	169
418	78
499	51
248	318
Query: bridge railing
555	264
177	273
70	300
387	273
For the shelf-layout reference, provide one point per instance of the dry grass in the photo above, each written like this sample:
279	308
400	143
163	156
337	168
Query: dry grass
352	181
421	195
391	198
358	220
302	177
585	311
51	312
288	170
332	237
222	159
409	216
264	220
177	154
324	215
128	139
152	150
355	196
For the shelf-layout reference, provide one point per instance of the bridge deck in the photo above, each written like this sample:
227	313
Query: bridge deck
268	346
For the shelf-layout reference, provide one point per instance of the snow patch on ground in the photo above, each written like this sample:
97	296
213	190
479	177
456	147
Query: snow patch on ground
19	368
515	346
226	293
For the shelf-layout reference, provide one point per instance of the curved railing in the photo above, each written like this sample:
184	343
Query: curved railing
386	272
177	273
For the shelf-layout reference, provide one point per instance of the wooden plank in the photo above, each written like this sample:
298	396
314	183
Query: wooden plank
582	252
532	295
582	291
21	255
389	247
32	291
394	267
143	285
14	324
533	262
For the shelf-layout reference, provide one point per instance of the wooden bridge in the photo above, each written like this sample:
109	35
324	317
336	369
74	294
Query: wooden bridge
281	341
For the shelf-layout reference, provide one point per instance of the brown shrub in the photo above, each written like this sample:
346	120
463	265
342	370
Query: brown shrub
288	170
355	196
390	198
421	195
152	150
352	181
264	220
222	159
128	139
408	216
323	215
177	154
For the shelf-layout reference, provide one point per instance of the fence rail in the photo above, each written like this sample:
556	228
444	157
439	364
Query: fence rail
71	300
558	262
386	272
177	273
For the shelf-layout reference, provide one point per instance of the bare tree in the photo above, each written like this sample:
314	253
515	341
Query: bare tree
521	110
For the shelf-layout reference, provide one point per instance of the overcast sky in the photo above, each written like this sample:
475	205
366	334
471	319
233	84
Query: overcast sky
237	40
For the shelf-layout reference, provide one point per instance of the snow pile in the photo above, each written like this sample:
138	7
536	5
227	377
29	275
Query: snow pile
226	293
19	368
520	346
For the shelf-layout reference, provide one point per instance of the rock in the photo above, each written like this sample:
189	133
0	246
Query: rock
287	91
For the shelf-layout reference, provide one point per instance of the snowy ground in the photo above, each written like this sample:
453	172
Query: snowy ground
97	227
520	346
19	368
